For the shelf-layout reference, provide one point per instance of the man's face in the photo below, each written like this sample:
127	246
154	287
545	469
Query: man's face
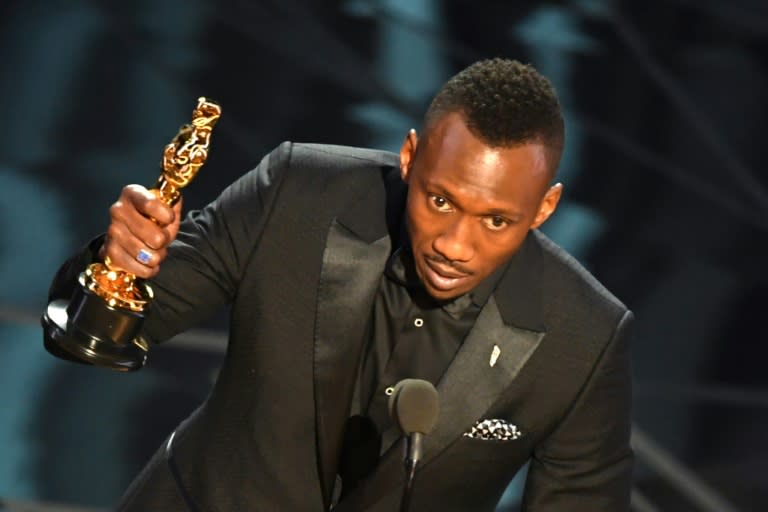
469	205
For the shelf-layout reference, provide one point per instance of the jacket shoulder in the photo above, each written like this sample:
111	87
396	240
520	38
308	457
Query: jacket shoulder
328	156
573	280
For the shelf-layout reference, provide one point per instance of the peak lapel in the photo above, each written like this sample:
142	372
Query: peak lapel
507	332
471	384
356	251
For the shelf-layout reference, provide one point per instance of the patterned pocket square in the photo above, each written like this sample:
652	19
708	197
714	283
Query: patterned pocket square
494	430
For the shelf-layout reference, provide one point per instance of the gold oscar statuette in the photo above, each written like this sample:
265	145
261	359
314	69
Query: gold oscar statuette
101	324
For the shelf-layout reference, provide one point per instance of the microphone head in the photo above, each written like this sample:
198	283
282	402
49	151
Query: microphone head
414	406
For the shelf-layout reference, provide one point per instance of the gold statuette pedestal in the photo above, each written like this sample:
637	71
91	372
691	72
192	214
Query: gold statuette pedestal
101	324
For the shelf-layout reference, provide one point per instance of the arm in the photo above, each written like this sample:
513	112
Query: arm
585	464
206	261
201	268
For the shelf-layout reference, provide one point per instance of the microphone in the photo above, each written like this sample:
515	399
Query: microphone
414	407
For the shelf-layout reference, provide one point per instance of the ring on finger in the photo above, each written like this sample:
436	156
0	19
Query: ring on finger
144	256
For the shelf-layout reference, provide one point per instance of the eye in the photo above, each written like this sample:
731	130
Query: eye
439	203
495	222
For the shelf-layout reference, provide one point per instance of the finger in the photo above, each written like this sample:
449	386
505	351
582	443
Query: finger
120	259
172	229
149	205
177	209
150	258
131	221
121	237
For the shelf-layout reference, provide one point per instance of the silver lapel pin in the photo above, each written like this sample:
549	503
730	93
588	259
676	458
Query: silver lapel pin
495	353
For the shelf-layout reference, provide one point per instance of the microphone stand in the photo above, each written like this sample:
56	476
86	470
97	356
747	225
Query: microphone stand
411	460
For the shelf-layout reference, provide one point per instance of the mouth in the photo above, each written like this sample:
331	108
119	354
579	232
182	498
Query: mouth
441	277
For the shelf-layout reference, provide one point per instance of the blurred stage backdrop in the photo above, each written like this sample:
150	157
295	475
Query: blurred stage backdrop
666	198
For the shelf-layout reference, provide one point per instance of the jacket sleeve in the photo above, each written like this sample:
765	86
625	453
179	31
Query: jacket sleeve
585	464
202	271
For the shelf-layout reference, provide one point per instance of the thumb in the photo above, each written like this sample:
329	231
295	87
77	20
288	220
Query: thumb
173	227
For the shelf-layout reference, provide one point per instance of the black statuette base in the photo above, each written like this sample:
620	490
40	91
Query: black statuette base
86	329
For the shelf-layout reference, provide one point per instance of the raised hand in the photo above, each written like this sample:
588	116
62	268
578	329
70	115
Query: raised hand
141	228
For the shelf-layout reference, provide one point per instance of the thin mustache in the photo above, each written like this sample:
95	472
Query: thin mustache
445	261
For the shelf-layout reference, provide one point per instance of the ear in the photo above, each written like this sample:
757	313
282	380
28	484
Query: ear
548	204
407	153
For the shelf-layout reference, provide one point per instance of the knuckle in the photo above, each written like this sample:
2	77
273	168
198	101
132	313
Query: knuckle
140	197
114	256
143	205
109	252
158	240
134	190
116	209
170	215
162	214
113	231
110	247
116	235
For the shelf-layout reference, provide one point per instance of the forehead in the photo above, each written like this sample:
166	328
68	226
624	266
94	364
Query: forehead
451	156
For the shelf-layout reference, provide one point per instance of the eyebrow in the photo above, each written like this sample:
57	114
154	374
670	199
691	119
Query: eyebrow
510	214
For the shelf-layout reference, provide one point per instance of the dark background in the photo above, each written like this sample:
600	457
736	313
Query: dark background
666	197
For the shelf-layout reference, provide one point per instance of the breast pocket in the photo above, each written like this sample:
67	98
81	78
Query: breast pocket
484	450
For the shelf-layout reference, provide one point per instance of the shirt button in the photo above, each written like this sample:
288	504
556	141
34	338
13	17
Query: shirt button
389	391
418	322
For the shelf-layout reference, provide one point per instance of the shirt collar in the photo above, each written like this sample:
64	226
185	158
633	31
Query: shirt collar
400	268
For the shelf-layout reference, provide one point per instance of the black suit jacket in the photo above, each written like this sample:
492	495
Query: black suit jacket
297	247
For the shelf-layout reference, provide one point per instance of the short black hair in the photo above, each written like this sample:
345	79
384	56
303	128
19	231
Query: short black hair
504	103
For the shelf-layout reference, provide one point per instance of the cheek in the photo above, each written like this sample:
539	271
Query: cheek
421	221
496	250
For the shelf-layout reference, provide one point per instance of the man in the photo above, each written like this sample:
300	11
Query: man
347	270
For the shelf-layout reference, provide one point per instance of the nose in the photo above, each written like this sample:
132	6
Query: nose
455	242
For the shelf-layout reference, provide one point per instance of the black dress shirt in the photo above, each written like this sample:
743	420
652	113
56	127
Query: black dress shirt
413	336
